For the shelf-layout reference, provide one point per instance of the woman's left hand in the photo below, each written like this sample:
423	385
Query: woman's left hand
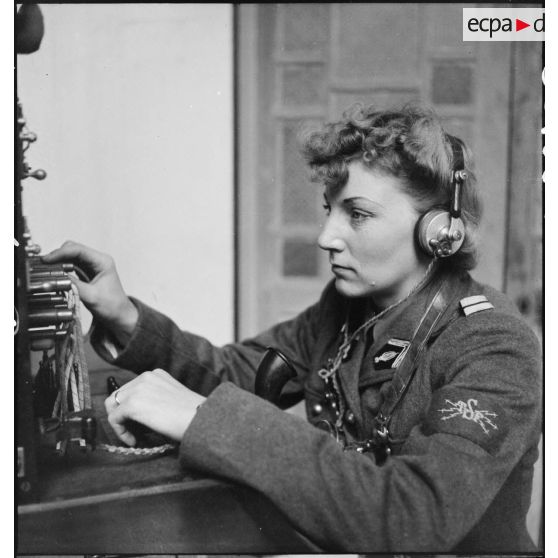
156	400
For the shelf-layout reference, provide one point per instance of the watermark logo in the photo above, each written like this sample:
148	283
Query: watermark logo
503	24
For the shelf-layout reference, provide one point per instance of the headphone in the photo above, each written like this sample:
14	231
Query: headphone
441	233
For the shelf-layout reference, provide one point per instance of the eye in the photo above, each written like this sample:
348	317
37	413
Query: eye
359	216
327	208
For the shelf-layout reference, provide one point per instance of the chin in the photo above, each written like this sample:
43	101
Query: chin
351	289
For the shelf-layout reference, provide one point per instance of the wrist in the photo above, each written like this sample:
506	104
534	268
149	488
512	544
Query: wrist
124	323
192	412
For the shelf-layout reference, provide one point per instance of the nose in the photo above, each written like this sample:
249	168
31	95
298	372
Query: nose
331	238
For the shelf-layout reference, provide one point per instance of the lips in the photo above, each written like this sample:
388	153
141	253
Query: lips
337	267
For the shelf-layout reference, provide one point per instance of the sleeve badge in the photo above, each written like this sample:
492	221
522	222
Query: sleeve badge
469	411
470	414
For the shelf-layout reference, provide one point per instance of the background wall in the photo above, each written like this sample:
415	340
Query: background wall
132	104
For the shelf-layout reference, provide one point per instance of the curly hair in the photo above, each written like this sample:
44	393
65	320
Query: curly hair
408	143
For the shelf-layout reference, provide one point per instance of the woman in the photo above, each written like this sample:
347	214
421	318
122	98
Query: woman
422	387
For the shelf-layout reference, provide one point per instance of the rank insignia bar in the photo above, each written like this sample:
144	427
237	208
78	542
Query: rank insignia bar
472	304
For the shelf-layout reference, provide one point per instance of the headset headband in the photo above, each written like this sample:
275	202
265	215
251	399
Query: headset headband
458	160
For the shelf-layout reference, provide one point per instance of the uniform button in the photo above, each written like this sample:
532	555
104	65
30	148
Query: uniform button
317	409
350	417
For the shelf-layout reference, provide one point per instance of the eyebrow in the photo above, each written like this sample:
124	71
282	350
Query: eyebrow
349	201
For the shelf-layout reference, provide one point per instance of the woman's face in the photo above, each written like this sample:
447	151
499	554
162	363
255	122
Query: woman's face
369	234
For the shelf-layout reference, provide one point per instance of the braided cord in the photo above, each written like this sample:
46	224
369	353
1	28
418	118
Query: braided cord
122	450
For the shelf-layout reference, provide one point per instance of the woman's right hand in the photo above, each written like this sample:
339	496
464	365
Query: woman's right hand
103	295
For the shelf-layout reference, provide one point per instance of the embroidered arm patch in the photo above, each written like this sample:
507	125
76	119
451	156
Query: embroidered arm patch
470	414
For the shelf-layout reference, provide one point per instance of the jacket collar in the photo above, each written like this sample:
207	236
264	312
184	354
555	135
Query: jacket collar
401	321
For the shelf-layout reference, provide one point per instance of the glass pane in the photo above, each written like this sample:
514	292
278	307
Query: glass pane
303	84
305	27
452	84
300	196
300	258
372	41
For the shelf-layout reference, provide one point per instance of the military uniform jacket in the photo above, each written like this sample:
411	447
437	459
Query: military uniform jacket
465	433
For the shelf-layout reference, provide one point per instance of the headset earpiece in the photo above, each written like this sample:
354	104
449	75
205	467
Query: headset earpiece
441	233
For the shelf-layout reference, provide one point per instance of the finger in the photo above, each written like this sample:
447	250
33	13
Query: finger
69	249
110	405
116	398
76	252
86	291
117	419
118	416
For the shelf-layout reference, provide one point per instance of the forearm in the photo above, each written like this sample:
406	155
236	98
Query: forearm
157	342
342	500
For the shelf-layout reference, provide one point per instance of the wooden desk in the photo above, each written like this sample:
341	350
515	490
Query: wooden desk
103	503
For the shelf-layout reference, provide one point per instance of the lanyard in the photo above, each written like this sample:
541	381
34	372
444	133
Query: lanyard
379	443
404	373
